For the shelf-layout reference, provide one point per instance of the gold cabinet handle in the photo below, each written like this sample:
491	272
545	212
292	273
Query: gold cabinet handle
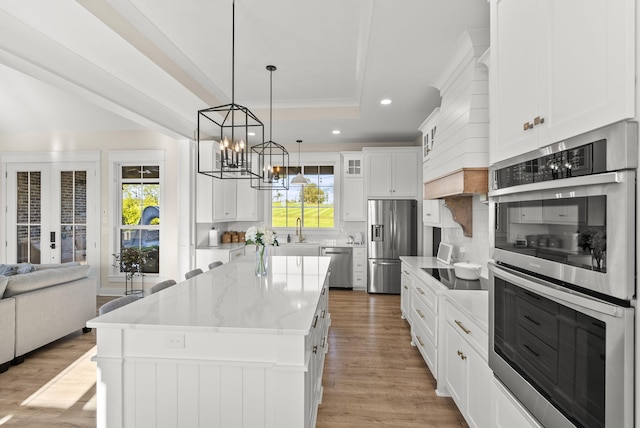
466	330
324	339
462	356
406	288
538	120
315	321
527	126
420	341
420	290
420	313
323	313
315	349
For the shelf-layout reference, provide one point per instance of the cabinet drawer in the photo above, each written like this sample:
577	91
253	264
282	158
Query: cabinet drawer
236	253
359	264
425	293
359	279
426	347
360	253
422	314
473	334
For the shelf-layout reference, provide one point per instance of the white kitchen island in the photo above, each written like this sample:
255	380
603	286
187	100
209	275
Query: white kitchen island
222	349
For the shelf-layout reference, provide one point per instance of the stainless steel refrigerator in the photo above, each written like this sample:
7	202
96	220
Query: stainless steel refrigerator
391	233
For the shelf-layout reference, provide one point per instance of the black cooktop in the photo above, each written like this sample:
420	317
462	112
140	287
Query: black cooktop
448	278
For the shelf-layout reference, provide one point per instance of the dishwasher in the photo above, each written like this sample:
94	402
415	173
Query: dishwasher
341	266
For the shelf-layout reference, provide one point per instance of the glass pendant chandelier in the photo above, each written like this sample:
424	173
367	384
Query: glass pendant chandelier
299	179
272	159
225	133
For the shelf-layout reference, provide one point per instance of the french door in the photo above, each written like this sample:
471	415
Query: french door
52	213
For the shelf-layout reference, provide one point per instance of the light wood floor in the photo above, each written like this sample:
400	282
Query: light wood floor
373	377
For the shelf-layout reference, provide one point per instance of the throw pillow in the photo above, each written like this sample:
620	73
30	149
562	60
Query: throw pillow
23	268
7	270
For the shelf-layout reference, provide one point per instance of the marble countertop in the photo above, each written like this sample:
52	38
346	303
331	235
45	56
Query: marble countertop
230	298
474	303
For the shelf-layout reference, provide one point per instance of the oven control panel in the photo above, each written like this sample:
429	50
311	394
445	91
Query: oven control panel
584	160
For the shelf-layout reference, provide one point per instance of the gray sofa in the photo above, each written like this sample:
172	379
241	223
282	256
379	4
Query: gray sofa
39	307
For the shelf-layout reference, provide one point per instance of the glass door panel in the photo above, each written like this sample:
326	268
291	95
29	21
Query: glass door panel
28	216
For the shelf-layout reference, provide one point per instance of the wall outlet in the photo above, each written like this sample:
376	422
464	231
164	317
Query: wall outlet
174	341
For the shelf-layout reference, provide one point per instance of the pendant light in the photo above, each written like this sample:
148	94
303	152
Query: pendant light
272	158
225	132
299	179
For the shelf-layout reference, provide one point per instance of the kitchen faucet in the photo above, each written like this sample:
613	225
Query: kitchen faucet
299	229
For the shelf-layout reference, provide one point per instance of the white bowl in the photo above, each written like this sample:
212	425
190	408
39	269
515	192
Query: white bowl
470	271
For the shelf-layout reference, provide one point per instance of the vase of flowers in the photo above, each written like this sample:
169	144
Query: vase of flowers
261	237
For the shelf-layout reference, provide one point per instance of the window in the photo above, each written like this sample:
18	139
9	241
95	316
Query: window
139	226
313	203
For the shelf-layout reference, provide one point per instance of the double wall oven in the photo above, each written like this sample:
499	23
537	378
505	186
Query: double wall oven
562	278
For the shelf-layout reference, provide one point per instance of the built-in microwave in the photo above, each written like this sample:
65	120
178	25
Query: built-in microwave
567	211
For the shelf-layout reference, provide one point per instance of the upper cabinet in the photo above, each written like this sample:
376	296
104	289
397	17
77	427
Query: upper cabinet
353	165
428	130
353	195
248	201
558	69
224	199
392	172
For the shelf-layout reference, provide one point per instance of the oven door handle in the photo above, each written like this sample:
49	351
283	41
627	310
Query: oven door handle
555	292
586	180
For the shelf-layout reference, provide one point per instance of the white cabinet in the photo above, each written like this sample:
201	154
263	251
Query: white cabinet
406	285
392	173
353	194
359	268
466	372
506	411
353	200
204	186
248	202
554	76
435	214
428	129
422	313
224	199
353	165
204	256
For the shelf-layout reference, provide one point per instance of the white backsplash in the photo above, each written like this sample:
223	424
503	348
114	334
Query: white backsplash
477	247
325	237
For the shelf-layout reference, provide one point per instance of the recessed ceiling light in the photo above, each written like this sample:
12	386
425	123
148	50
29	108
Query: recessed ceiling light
335	131
385	102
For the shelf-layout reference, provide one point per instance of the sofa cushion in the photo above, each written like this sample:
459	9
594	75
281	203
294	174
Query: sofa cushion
20	284
3	285
54	265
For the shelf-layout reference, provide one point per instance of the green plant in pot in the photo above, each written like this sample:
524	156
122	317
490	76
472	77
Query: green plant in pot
131	260
595	241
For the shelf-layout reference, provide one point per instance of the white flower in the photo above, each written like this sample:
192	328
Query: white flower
251	233
261	235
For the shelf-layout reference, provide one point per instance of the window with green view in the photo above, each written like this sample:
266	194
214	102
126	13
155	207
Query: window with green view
313	203
140	203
